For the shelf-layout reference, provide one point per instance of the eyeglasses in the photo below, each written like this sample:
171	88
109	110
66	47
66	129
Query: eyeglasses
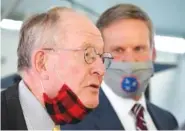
90	55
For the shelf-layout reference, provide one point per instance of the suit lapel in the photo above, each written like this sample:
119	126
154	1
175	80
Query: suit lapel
16	117
105	116
156	117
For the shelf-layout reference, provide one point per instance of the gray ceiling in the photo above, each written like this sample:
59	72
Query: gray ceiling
168	15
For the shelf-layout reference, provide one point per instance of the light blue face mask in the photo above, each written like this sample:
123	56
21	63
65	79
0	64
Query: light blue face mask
129	79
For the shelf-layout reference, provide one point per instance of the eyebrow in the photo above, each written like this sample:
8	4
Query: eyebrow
88	44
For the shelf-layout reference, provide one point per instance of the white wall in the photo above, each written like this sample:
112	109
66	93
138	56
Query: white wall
168	89
9	42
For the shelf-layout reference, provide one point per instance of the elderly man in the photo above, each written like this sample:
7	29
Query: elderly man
128	34
60	60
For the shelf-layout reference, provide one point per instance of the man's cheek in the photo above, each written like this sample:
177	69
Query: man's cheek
144	58
118	58
78	75
76	70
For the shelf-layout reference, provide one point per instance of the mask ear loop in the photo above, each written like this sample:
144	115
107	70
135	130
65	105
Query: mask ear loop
152	48
41	83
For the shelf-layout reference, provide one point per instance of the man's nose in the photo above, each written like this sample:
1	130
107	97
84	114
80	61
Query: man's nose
98	67
128	56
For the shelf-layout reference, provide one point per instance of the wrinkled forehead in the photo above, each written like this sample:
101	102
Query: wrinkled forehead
86	37
80	38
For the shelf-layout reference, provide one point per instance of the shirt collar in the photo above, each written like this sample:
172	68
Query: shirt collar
142	101
35	114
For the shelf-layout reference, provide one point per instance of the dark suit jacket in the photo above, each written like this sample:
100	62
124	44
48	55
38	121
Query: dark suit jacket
12	117
105	118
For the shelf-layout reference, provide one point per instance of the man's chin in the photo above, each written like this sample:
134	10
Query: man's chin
90	100
92	105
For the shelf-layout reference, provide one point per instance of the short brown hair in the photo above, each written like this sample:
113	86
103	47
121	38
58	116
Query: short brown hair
33	34
125	11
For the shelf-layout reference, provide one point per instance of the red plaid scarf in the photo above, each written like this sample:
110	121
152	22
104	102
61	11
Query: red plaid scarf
65	108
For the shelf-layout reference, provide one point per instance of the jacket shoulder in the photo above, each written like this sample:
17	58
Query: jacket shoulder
165	116
12	114
4	112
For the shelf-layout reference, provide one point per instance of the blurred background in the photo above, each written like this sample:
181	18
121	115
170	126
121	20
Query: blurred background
167	87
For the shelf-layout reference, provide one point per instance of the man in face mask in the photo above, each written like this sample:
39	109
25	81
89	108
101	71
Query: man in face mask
128	35
60	61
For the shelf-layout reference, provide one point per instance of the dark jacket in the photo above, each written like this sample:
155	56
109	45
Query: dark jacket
12	117
102	118
105	118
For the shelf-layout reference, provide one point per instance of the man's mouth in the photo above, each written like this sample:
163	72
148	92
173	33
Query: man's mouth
96	86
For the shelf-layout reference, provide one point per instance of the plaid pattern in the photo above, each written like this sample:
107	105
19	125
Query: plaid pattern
65	108
137	110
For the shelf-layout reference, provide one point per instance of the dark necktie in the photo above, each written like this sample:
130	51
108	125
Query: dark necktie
138	110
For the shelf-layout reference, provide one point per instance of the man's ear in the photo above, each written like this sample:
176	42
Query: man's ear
154	54
39	61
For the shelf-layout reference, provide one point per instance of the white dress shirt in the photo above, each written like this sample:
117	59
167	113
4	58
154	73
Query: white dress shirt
123	106
35	114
